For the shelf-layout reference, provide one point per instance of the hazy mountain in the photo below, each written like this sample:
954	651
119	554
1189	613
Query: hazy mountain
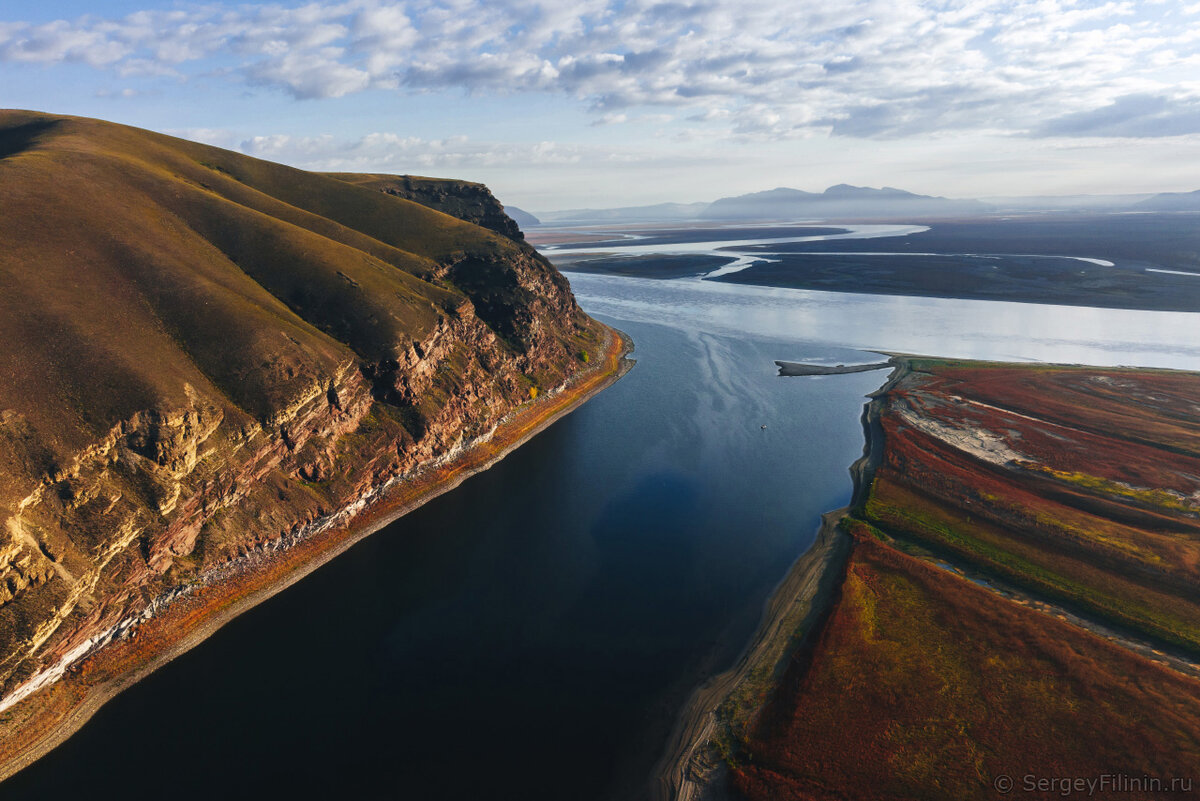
1171	201
848	202
842	201
1065	202
521	217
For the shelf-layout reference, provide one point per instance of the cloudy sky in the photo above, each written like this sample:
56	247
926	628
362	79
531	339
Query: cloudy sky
620	102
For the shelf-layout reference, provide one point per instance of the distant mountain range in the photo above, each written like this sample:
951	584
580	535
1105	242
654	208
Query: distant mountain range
841	201
846	202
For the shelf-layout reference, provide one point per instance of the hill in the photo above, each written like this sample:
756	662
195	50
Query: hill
465	200
521	217
208	358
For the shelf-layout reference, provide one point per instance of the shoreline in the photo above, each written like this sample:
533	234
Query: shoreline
692	765
56	711
1094	644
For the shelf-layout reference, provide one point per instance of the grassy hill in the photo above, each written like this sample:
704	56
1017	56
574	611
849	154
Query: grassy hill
201	352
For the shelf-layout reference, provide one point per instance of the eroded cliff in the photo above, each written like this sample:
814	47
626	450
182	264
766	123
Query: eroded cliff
201	354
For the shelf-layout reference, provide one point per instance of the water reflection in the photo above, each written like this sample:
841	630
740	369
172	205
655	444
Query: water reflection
933	326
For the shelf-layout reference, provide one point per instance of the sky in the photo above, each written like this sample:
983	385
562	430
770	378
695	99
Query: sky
602	103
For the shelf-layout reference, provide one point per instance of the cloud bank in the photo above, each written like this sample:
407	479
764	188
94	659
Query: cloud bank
750	68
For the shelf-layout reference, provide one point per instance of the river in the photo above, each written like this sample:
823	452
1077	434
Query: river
532	634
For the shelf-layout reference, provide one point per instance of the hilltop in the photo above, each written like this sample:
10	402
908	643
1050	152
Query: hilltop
465	200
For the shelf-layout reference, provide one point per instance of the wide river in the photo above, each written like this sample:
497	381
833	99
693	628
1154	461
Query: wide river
533	634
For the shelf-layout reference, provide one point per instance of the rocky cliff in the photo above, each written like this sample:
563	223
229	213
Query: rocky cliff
203	353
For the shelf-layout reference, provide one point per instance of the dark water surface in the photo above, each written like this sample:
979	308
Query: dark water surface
530	635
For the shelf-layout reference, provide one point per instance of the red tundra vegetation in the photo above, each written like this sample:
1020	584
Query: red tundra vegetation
1020	600
925	685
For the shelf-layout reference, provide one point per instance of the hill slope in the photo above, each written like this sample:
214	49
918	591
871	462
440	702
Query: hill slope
203	352
521	217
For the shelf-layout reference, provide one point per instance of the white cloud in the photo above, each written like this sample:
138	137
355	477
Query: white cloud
310	75
864	68
61	41
209	136
125	93
391	152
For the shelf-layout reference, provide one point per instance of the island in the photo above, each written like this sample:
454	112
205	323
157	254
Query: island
1009	605
219	372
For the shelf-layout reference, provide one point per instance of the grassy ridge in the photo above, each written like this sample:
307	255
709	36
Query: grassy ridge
464	200
1144	606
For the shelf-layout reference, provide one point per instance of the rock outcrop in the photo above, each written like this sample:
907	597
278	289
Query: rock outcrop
202	353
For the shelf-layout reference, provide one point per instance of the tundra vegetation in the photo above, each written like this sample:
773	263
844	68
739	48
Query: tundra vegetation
1021	587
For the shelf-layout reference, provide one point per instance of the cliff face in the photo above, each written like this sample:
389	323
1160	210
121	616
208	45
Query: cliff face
468	201
202	353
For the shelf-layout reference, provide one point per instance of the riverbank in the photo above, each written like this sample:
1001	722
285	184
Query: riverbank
1022	538
695	764
41	721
